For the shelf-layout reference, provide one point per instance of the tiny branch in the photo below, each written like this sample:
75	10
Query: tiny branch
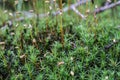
77	12
101	9
111	44
71	7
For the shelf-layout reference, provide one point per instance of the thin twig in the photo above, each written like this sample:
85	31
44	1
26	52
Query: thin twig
106	47
77	12
101	9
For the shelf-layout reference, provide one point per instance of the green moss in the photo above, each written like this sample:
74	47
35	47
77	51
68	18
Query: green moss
33	49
